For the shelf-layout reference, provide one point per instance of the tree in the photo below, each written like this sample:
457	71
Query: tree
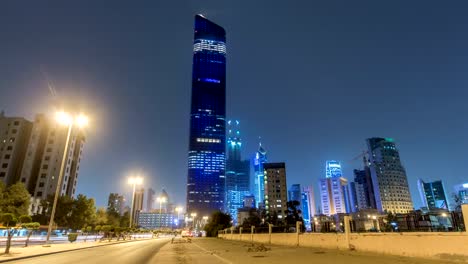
252	220
97	229
83	212
9	221
30	226
293	214
218	221
63	210
15	199
125	219
101	216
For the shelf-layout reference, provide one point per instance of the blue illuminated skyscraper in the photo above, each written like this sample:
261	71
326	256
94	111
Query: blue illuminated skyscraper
237	172
207	144
259	159
333	169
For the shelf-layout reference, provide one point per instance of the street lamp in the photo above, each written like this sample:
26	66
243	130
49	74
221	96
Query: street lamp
133	181
65	119
160	200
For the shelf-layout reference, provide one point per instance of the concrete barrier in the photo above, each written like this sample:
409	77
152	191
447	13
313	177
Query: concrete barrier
440	245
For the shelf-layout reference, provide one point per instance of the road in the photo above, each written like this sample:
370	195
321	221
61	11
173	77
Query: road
131	252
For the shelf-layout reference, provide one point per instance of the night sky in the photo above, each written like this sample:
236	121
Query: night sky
314	79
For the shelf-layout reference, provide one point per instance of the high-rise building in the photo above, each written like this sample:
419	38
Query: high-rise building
461	191
116	203
433	195
294	193
308	205
333	169
249	201
150	200
138	203
32	153
207	143
388	177
351	198
259	159
365	197
14	135
334	192
237	172
275	195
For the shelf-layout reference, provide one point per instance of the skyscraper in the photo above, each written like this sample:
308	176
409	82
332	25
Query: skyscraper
334	193
138	204
388	176
276	194
308	205
150	200
294	193
14	136
259	159
32	153
433	195
333	169
364	189
237	171
207	143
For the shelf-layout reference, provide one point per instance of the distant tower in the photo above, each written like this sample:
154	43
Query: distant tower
237	172
207	142
433	195
388	177
150	200
334	192
276	194
259	159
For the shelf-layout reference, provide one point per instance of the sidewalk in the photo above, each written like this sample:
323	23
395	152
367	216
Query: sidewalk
218	251
39	250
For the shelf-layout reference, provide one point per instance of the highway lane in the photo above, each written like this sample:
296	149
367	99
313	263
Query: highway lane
140	252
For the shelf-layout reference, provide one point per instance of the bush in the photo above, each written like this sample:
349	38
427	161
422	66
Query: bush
72	237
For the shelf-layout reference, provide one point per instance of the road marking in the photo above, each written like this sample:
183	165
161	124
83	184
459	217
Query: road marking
213	254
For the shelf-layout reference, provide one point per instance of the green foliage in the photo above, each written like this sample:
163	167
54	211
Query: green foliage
125	219
89	229
101	216
8	219
72	237
25	219
31	225
97	228
14	199
293	214
218	221
83	212
252	220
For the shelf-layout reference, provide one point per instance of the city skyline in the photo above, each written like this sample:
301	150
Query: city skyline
415	100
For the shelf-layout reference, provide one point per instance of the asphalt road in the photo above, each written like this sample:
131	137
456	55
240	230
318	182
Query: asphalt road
140	252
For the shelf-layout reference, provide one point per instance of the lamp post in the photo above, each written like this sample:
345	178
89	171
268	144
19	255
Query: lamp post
133	181
160	200
66	119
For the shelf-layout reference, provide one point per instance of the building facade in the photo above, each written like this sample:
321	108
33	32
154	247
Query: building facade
333	169
365	197
138	204
155	220
150	198
308	206
14	135
294	193
32	153
433	195
461	191
259	159
334	195
237	172
275	195
391	187
207	143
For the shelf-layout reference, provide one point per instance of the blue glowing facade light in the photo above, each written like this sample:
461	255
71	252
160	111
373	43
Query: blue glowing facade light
333	169
259	183
207	144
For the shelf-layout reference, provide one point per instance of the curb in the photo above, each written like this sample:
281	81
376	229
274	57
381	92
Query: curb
70	250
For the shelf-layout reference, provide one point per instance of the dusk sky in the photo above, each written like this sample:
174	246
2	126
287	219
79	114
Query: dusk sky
314	79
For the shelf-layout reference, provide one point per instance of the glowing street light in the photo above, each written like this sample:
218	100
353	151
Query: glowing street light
134	181
65	119
178	210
